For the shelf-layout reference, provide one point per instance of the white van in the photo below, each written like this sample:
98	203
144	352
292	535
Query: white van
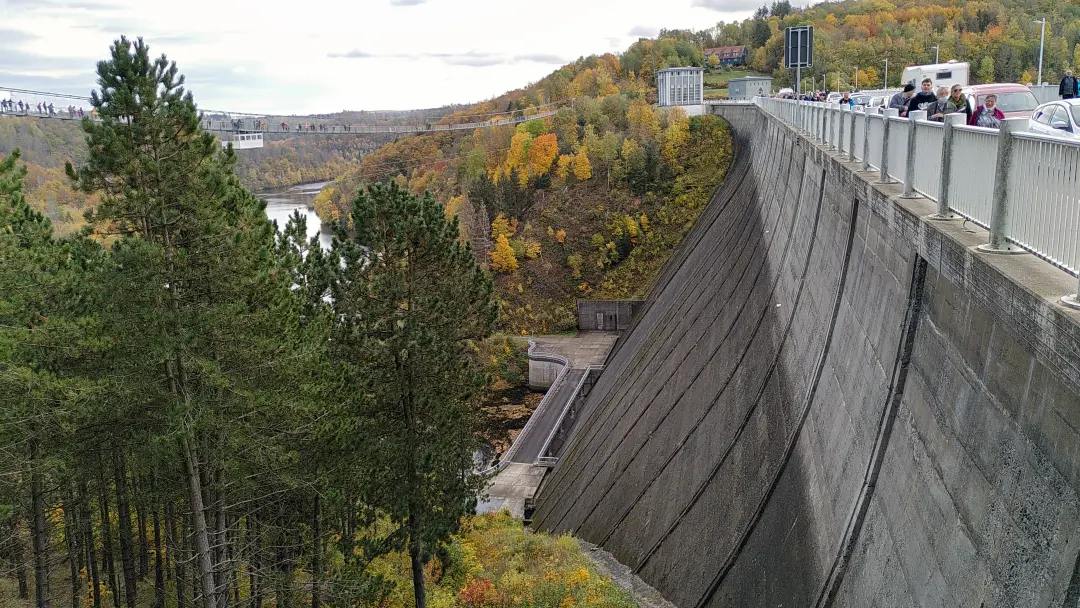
943	74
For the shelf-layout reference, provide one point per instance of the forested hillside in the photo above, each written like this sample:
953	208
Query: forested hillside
588	203
998	38
46	145
298	159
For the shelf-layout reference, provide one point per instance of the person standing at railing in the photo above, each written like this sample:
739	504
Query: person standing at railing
846	99
1068	87
899	101
923	100
987	115
953	102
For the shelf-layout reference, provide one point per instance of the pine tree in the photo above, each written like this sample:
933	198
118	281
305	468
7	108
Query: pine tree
202	349
45	328
411	298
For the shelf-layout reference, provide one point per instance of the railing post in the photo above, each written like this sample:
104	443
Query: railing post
884	177
951	122
1073	299
841	120
824	122
909	175
1000	210
851	135
866	141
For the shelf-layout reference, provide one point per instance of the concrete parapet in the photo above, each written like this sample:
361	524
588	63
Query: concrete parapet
544	368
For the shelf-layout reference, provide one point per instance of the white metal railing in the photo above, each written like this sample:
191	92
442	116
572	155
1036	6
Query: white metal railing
974	169
928	158
899	128
1045	176
877	138
860	133
1023	187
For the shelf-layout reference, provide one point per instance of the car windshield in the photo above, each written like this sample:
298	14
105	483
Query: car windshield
1017	101
1076	114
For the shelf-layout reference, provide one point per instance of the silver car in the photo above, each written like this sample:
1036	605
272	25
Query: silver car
1061	118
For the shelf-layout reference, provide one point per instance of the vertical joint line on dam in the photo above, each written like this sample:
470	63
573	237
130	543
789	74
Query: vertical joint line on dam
744	538
881	444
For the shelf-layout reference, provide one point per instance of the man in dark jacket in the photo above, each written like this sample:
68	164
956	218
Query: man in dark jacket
899	100
923	100
1067	89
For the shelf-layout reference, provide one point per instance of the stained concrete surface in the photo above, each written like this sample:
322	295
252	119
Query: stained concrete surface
827	400
584	349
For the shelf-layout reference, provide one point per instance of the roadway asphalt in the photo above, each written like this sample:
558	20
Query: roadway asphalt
545	418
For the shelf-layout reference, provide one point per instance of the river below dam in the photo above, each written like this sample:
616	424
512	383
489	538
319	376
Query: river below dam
281	203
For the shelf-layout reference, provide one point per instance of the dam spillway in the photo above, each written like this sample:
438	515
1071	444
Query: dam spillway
830	400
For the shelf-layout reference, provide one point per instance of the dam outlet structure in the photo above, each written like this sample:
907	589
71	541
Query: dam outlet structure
830	398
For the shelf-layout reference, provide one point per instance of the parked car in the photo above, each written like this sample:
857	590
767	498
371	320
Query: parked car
833	97
1060	118
861	99
1014	100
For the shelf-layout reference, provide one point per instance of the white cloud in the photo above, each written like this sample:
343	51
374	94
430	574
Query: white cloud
332	55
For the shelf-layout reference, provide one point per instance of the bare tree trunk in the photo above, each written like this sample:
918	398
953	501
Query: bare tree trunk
123	523
159	566
144	550
254	597
198	524
176	552
88	534
107	563
417	561
40	532
18	560
71	534
316	550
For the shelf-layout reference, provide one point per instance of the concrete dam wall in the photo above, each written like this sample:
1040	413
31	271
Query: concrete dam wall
828	400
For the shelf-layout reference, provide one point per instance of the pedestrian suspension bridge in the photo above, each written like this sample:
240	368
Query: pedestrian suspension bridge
248	130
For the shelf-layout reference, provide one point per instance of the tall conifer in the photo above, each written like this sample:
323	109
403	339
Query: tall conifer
410	299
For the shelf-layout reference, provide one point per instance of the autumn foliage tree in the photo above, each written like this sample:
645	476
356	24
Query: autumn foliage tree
502	256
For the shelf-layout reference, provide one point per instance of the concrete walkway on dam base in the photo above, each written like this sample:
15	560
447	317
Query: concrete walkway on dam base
518	480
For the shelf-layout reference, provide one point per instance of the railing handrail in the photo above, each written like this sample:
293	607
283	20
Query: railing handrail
566	408
1033	187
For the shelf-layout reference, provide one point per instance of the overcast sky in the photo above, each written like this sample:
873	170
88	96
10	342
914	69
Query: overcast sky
309	56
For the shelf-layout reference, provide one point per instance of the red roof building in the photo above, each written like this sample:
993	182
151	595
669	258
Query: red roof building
729	55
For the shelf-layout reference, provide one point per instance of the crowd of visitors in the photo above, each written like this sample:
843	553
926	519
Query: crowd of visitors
12	106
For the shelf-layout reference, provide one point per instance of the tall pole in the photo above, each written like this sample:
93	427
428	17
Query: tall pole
856	78
886	81
937	53
1042	42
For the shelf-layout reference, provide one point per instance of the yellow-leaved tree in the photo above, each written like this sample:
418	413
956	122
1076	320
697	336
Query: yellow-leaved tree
675	136
644	123
542	152
562	168
501	226
502	257
582	166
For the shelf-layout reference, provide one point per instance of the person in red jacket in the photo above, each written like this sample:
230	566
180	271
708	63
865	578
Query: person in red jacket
987	115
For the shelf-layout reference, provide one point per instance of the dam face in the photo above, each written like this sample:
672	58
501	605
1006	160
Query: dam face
828	400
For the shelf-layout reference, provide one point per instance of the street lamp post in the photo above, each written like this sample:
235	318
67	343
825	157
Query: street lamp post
856	78
937	53
886	81
1042	41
